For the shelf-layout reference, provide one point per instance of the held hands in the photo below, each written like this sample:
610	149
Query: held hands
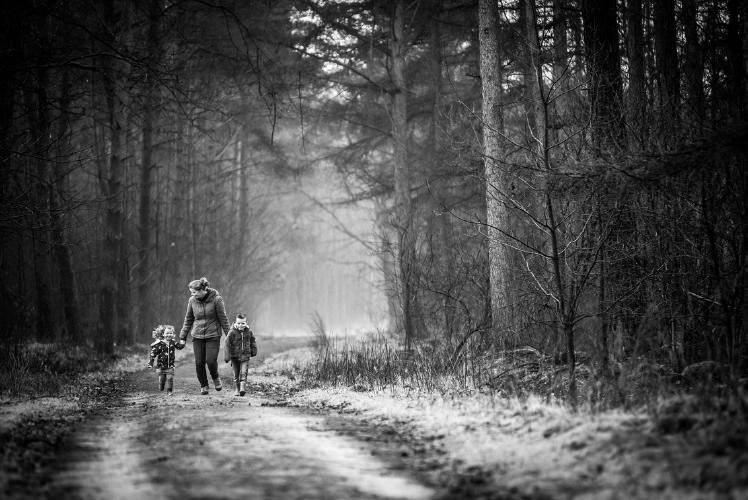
180	344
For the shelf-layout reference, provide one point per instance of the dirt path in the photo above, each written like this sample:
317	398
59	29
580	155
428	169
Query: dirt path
217	446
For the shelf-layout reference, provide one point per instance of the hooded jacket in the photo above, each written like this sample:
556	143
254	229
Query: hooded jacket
240	344
205	318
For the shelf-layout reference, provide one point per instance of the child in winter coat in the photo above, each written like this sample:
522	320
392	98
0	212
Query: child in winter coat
164	354
240	346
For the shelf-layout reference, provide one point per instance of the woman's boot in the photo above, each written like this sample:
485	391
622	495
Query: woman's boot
236	392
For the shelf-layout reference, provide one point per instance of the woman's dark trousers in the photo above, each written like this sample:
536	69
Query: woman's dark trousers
206	352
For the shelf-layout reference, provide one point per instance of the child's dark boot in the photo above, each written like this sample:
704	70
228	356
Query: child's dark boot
169	386
242	388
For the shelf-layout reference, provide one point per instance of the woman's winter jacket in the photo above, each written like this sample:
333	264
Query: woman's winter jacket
240	344
163	352
205	318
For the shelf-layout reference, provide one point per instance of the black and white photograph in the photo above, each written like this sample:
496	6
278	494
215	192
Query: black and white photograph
374	249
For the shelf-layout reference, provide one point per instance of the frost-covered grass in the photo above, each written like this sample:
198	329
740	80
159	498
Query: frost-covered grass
377	363
483	445
502	427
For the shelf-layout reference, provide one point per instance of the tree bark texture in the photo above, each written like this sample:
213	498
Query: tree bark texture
496	213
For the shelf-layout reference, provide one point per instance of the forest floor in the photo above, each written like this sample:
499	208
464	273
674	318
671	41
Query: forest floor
125	439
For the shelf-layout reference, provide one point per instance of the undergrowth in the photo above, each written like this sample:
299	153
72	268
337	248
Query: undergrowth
379	362
38	370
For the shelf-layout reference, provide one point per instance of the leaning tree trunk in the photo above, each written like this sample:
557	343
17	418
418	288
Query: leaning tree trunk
496	214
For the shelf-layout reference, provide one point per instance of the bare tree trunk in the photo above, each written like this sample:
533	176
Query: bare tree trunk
604	72
145	299
493	126
667	65
744	16
68	287
114	218
194	210
694	68
38	109
443	220
244	237
561	72
542	157
179	230
637	95
403	203
735	56
529	69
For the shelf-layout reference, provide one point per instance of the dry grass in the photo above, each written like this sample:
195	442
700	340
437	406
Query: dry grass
378	362
39	370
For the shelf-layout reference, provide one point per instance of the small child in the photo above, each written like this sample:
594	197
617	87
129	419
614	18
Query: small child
163	352
240	346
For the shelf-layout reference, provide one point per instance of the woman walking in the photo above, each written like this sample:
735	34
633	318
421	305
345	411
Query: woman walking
205	320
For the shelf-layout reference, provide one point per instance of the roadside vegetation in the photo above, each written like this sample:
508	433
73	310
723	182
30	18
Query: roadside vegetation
378	362
506	426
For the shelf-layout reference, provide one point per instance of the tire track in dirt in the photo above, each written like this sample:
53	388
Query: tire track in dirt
218	446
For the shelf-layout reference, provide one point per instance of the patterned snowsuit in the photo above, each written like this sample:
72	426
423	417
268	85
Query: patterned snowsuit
164	353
